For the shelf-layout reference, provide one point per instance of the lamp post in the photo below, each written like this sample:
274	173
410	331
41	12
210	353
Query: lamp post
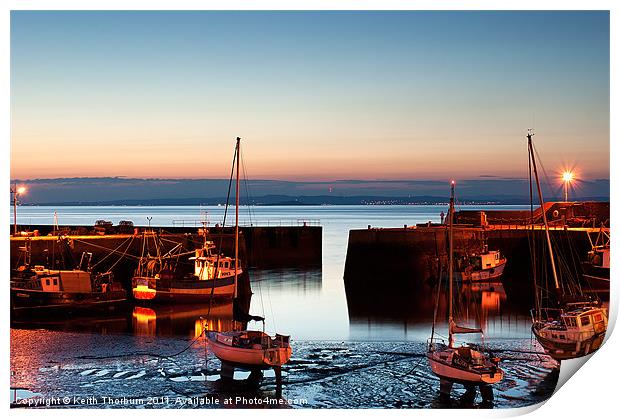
567	178
16	192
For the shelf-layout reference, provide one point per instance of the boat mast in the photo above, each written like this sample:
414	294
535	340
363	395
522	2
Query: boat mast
542	209
450	262
237	217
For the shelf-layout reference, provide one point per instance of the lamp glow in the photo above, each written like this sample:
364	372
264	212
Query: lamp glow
567	178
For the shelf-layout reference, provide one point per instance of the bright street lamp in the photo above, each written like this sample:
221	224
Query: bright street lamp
16	193
567	178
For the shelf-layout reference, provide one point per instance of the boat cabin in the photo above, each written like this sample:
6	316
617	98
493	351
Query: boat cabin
576	325
207	266
599	256
63	281
488	260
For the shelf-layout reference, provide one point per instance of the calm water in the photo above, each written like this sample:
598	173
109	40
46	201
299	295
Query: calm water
309	305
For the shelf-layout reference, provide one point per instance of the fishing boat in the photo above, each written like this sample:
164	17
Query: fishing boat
597	264
466	364
157	277
487	266
248	349
575	324
36	287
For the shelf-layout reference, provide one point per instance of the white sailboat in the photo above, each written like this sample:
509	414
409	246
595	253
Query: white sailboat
248	349
464	364
575	325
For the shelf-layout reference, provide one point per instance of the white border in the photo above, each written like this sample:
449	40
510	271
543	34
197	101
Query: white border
591	393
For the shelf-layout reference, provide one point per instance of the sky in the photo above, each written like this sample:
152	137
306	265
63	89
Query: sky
314	95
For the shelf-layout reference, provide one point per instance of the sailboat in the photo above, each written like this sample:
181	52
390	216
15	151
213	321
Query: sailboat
464	364
248	349
576	324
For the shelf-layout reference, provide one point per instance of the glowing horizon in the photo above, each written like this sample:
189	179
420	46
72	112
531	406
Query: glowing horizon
313	95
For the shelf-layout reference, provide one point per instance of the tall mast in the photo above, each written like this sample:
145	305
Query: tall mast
542	209
237	217
450	261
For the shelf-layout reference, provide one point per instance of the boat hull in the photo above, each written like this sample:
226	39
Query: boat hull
146	289
249	358
484	275
568	350
23	300
455	374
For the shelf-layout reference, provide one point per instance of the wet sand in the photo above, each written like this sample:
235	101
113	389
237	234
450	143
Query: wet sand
65	369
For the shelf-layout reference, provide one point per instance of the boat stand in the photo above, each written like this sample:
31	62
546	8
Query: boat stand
445	388
227	373
278	372
486	391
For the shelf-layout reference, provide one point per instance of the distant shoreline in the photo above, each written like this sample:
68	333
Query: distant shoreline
284	204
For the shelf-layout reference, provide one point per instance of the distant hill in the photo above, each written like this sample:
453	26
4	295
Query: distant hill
135	191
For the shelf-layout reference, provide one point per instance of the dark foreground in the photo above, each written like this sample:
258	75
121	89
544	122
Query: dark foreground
60	369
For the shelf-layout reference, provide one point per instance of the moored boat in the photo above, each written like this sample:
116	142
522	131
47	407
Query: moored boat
214	277
465	364
572	324
248	349
40	288
573	331
596	267
483	267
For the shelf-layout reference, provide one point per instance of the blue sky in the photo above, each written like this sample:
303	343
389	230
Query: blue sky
314	95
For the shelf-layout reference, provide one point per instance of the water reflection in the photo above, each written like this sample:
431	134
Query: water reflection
156	320
181	320
298	281
381	315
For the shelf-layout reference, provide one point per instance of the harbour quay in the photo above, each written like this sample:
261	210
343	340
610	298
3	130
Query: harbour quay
395	262
118	247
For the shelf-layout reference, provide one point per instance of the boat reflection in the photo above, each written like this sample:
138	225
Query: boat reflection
184	320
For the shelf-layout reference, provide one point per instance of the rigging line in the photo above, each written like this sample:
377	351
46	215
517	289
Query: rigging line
163	239
169	253
110	254
273	318
219	249
545	175
102	247
440	279
122	256
260	292
249	199
574	258
139	354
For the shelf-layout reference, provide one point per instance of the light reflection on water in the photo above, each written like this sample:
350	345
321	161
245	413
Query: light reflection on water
307	304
